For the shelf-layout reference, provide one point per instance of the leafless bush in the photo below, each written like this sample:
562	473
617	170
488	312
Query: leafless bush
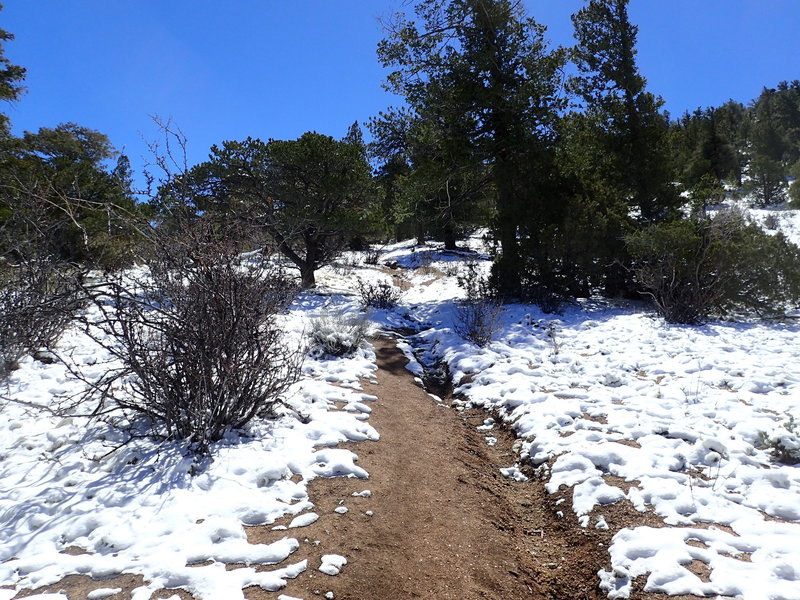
424	262
478	314
38	299
346	264
196	335
381	295
337	335
372	256
772	222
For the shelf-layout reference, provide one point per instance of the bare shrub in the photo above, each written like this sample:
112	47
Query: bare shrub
38	299
772	222
346	265
382	295
337	335
424	262
372	256
197	336
478	314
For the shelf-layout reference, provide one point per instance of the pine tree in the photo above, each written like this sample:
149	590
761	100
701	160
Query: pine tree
444	189
732	123
11	77
627	117
769	146
481	70
702	150
310	195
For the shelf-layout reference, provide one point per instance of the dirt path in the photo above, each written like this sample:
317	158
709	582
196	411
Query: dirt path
445	523
441	522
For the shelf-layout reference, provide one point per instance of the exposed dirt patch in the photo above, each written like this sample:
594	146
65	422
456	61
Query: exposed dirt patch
445	523
442	523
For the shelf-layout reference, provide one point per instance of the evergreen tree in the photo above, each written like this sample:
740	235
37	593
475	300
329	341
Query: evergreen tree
732	122
11	77
702	150
769	147
310	195
786	116
123	176
443	189
480	70
626	116
56	181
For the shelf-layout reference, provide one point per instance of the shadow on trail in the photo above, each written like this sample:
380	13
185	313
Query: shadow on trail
392	360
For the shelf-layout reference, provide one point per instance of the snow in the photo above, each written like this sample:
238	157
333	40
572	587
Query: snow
684	415
690	418
332	564
149	508
102	593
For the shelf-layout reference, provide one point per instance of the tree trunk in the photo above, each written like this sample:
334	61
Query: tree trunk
307	279
449	237
419	228
509	266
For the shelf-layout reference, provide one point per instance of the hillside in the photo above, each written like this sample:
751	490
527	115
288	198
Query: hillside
673	446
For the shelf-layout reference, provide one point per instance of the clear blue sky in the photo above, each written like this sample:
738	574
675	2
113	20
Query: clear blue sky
274	69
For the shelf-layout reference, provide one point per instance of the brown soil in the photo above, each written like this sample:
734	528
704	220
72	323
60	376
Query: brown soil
443	522
446	524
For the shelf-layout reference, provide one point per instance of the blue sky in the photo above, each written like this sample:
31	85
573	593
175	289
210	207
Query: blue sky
278	68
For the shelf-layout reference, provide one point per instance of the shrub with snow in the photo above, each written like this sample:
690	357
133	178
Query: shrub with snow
337	335
381	294
784	443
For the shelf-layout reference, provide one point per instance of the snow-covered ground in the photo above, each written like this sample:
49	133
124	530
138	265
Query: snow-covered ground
690	418
140	510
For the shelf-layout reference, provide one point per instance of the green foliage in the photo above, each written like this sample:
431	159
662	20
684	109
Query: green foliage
694	268
478	75
582	252
767	180
707	190
706	146
794	187
774	141
310	195
429	175
626	119
11	77
54	186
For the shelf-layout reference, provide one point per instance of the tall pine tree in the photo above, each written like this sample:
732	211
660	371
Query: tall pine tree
627	118
11	77
485	66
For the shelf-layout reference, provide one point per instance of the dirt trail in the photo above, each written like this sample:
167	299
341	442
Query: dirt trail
445	523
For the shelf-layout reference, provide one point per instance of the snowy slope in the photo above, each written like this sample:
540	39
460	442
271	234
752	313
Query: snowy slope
687	417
